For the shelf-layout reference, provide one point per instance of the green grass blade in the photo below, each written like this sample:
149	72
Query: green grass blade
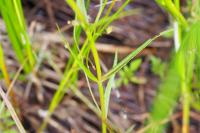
132	55
15	24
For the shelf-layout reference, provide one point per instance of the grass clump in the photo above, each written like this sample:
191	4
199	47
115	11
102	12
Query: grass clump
80	58
11	11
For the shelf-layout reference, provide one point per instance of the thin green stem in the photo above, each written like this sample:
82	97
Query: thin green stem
185	89
100	86
110	125
186	108
64	85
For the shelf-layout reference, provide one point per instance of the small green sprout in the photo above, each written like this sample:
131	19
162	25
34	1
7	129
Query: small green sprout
158	67
127	74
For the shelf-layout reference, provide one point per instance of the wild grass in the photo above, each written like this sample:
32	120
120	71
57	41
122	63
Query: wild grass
80	56
12	14
181	77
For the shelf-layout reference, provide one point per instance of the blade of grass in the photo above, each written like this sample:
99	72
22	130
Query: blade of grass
15	24
122	63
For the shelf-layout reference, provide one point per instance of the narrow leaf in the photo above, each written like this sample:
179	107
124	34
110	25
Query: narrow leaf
132	55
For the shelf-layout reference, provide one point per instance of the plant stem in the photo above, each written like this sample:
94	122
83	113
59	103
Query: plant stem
100	85
186	108
65	83
184	86
111	126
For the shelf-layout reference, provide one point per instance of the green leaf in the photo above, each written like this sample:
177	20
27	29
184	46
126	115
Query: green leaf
157	66
134	66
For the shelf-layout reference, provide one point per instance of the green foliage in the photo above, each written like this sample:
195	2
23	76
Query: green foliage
179	75
195	64
7	125
182	76
127	74
132	55
195	10
158	67
165	100
11	11
80	56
